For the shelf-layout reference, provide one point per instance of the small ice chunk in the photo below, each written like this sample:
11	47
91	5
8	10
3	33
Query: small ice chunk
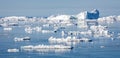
102	46
7	29
22	39
13	50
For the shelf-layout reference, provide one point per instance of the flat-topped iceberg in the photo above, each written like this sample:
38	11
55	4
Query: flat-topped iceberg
100	31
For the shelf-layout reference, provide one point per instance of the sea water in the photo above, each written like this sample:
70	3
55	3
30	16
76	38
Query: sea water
99	48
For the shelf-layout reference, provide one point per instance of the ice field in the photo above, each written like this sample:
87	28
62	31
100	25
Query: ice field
84	35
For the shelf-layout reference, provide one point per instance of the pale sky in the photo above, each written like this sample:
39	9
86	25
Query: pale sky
49	7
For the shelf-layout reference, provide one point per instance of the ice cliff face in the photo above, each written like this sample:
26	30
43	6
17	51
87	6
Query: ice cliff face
94	14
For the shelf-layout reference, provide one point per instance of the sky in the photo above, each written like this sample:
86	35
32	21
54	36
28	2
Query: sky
55	7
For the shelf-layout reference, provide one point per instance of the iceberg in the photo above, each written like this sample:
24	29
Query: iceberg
68	39
81	17
109	19
46	48
94	14
100	31
59	17
36	47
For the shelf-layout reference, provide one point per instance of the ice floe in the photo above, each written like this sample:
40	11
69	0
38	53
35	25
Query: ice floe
100	31
69	39
37	47
13	50
7	29
17	39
